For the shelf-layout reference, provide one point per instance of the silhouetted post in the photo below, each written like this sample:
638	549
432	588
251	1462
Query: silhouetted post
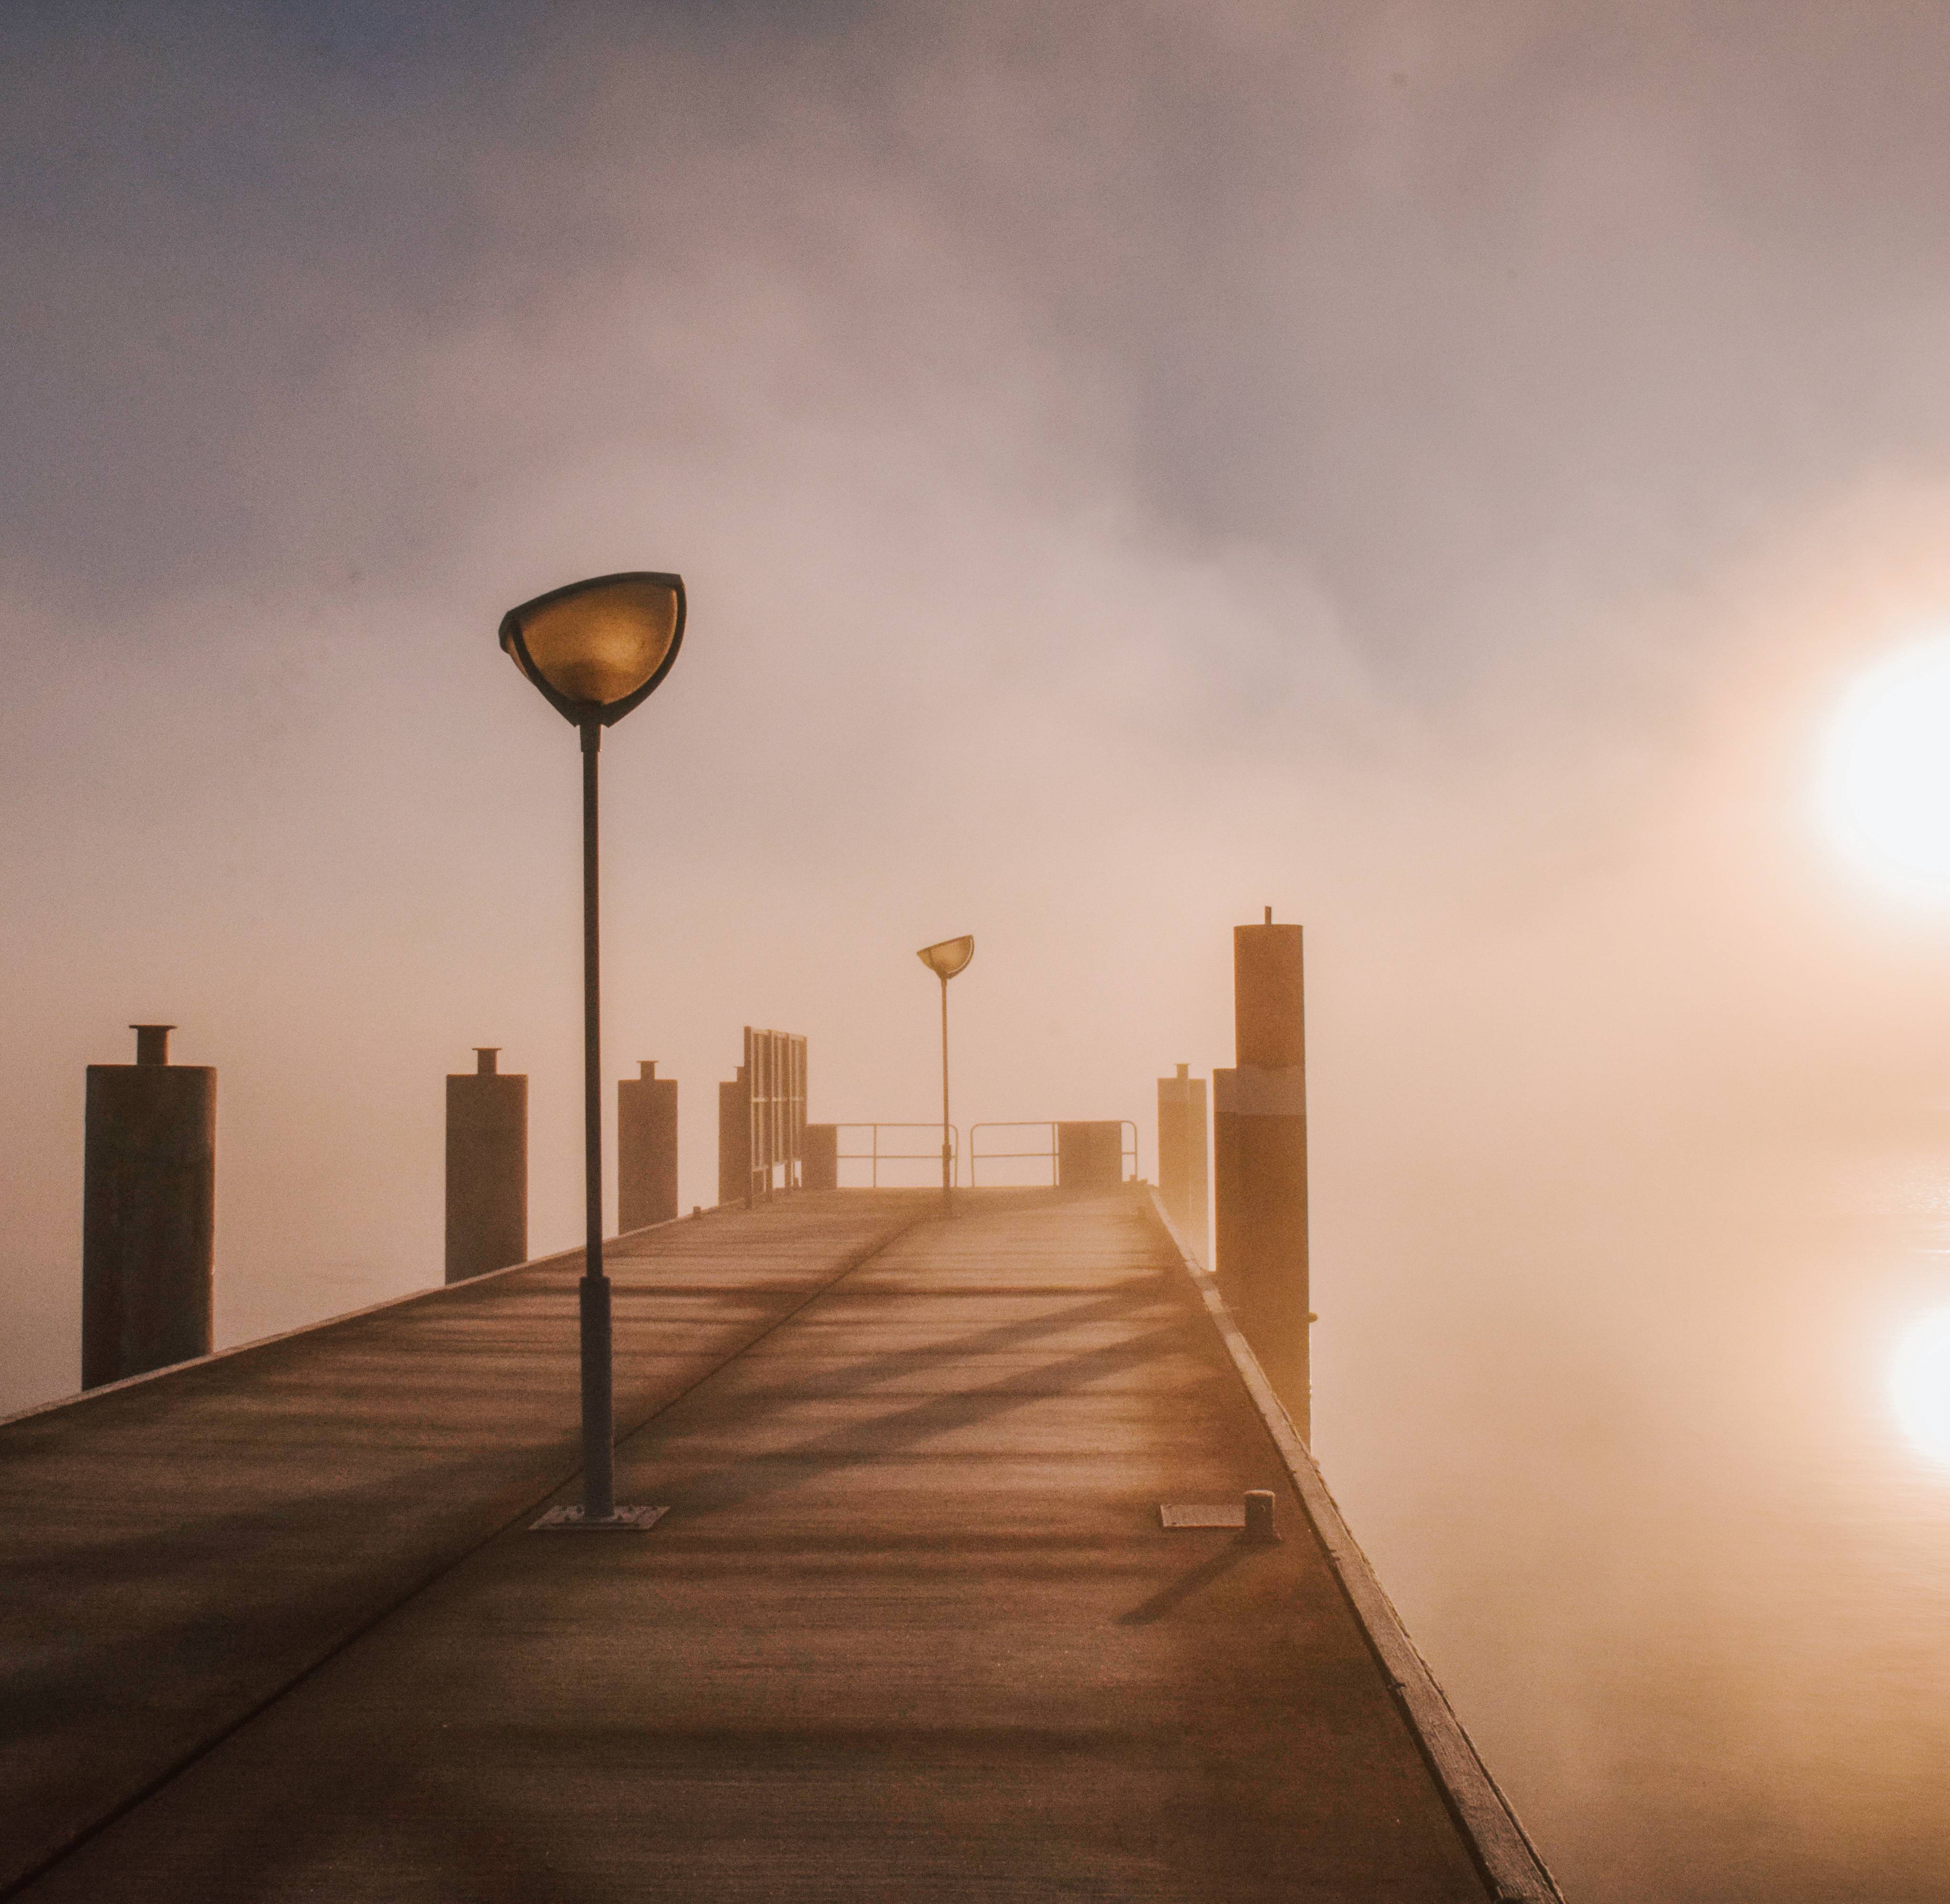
645	1149
1260	1141
487	1168
820	1166
1090	1155
148	1212
1182	1154
734	1139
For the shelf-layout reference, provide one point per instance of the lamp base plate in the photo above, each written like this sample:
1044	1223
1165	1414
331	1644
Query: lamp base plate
624	1521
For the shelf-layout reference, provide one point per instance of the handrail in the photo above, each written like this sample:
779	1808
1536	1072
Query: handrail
977	1156
874	1158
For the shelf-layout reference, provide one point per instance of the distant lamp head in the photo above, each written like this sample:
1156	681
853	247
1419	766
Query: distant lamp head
948	957
595	648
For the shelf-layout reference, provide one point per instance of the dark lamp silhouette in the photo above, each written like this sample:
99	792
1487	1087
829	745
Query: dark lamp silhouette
595	648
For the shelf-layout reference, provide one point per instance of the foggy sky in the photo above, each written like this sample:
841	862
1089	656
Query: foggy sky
1428	467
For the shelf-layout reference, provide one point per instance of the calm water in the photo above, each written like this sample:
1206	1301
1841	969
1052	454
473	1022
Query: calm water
1647	1506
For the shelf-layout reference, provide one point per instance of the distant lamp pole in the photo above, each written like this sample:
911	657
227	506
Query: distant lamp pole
595	649
945	960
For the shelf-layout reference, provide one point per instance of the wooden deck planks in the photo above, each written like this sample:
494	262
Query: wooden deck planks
911	1629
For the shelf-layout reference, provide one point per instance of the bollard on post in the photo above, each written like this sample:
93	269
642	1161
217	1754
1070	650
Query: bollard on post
487	1168
148	1212
1181	1157
645	1149
1259	1128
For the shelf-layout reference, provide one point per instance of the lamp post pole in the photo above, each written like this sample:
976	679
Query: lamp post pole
596	650
945	959
598	1476
947	1155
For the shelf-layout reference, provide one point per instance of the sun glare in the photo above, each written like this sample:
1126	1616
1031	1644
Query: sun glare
1884	789
1919	1385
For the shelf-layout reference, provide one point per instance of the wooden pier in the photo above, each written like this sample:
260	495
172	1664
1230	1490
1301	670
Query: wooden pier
276	1627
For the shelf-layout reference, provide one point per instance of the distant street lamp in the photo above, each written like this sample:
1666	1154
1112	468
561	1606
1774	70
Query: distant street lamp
945	960
595	649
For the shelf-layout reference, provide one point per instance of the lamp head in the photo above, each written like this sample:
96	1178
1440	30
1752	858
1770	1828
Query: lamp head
947	958
595	648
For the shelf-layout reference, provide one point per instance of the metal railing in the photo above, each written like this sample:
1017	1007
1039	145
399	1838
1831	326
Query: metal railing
762	1120
774	1075
1127	1146
874	1156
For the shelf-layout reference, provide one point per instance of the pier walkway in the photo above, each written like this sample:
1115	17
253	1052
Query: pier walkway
275	1629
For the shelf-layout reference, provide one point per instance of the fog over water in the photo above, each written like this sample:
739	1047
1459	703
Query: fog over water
1435	470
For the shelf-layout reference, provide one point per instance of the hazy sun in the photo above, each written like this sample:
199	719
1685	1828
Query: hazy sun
1919	1384
1884	790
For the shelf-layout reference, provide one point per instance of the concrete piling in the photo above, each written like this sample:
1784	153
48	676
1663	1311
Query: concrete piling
148	1212
1260	1149
645	1149
1181	1157
487	1168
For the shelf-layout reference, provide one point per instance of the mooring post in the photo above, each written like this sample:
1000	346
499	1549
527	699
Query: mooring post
1090	1154
148	1212
820	1166
487	1168
1259	1145
735	1137
1181	1157
645	1148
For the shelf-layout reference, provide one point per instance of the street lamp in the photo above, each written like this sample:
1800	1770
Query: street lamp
595	649
945	959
